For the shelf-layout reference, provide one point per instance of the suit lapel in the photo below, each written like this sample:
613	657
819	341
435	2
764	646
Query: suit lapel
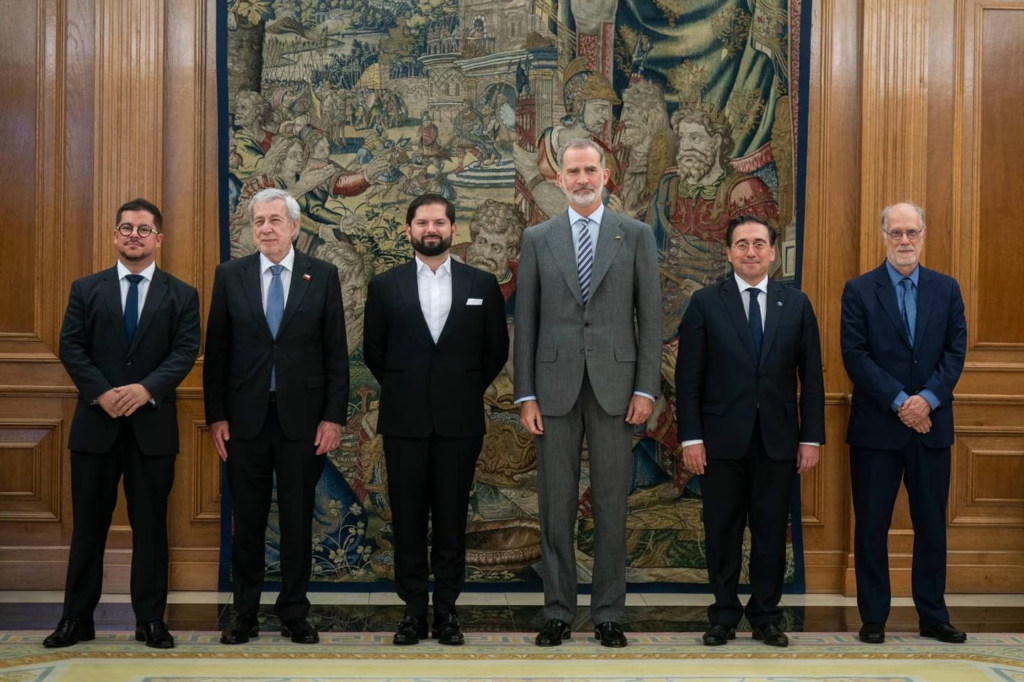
609	240
301	277
462	278
254	292
156	293
409	289
112	293
925	298
730	295
773	313
559	239
887	297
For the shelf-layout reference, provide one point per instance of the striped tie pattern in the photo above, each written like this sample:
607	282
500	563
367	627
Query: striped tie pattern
585	259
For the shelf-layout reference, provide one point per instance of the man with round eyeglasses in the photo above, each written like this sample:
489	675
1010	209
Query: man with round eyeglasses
130	337
743	343
903	338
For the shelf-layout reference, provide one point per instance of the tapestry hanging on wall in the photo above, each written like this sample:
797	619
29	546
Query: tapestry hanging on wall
358	106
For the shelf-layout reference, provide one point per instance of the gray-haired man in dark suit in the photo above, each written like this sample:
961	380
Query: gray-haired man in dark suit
587	354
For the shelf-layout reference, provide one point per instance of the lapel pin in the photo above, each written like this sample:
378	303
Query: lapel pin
307	278
778	303
618	236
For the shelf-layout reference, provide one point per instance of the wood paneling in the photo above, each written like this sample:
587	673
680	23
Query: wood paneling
910	99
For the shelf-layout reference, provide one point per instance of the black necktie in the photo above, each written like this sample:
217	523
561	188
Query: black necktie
131	306
756	333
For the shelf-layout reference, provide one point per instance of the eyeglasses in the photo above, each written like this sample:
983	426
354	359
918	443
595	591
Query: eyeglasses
126	229
897	235
759	246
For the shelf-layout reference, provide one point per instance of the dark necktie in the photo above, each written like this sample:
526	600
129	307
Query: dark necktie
908	298
131	306
275	311
754	318
585	259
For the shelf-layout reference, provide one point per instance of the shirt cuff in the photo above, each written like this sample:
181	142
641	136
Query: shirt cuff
898	402
817	445
932	399
691	442
523	400
647	395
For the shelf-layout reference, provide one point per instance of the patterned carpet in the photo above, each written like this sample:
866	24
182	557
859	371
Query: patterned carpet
342	657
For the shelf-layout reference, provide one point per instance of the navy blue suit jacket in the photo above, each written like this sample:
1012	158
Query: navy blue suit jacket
881	361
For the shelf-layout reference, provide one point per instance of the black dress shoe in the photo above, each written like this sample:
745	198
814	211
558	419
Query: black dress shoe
410	631
719	634
610	634
772	635
448	631
300	631
944	632
241	630
70	632
553	632
872	633
155	634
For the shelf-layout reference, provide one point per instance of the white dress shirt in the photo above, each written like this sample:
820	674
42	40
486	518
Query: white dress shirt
266	276
435	291
762	300
147	277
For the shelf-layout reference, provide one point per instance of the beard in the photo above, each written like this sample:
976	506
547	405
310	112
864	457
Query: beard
432	249
127	257
694	164
634	136
581	197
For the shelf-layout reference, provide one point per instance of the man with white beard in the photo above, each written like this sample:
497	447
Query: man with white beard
644	146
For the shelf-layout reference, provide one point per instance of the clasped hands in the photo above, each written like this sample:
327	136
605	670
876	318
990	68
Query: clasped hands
122	401
914	413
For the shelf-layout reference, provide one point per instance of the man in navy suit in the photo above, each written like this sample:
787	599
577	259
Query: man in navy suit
903	339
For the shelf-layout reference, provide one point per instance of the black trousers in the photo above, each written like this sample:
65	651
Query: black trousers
876	476
430	478
754	489
147	484
251	466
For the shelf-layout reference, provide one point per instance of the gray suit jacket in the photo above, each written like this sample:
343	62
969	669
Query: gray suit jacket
616	338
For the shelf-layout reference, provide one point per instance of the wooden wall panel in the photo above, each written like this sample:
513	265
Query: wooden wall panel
909	99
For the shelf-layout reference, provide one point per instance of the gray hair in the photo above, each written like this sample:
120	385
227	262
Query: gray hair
888	209
581	143
265	196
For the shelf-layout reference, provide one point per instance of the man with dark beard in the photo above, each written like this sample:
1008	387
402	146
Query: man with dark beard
434	338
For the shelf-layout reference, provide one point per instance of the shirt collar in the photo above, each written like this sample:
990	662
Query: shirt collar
288	261
895	277
444	268
147	274
762	285
596	216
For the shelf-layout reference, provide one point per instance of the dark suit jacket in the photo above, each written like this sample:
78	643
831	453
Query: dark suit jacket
881	362
721	386
95	351
428	387
310	353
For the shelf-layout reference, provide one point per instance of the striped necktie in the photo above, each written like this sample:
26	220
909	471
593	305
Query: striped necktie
585	259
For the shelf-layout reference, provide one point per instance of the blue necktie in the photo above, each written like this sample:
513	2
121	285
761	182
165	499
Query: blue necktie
585	259
275	311
131	306
754	318
908	300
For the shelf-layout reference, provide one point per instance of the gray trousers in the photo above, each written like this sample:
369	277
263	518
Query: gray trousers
558	475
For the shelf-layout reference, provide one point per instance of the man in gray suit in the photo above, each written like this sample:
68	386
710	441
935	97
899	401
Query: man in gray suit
587	353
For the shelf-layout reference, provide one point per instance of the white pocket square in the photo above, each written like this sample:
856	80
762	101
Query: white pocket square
474	301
